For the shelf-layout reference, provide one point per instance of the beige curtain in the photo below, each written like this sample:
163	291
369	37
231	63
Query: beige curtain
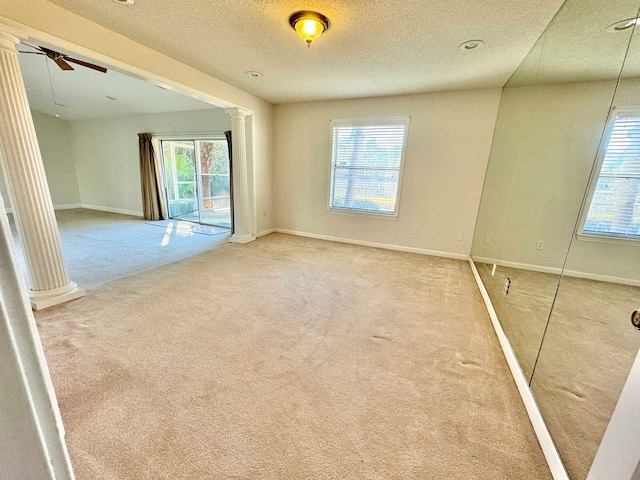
153	204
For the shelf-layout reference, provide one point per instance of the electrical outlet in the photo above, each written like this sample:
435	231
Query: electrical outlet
540	245
507	286
416	231
487	239
460	236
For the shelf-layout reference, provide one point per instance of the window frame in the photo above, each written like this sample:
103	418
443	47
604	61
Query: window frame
593	182
359	122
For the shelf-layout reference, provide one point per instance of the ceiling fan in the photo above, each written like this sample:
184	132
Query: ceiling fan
62	59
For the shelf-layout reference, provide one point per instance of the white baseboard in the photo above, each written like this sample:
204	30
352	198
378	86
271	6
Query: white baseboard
557	271
386	246
67	206
265	232
64	206
540	427
603	278
519	266
122	211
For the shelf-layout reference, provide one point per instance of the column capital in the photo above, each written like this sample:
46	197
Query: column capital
10	36
237	112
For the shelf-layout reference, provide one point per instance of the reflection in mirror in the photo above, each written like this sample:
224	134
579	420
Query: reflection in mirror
552	115
590	343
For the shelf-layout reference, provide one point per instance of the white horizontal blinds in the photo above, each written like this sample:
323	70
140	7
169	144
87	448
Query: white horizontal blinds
615	205
365	167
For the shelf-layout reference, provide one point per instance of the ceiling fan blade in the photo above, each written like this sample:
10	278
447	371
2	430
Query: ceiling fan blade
61	59
86	64
61	63
34	47
32	53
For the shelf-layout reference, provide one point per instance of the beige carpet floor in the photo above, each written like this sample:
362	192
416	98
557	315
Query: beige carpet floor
524	312
585	359
288	358
100	246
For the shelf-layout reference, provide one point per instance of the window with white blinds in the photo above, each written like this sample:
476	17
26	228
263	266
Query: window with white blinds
614	208
366	165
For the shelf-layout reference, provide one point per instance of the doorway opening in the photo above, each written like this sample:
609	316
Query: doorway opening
197	174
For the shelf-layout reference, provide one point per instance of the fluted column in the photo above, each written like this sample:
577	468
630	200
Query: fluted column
24	173
241	208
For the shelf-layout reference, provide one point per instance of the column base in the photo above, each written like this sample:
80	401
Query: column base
48	298
245	238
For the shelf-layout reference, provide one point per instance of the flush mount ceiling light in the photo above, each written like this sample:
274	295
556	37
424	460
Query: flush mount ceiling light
308	25
623	25
125	2
471	45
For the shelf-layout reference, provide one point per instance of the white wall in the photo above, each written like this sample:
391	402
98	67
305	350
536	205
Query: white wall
105	152
54	137
545	144
447	151
262	177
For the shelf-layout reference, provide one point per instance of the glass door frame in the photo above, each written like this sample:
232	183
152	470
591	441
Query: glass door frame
176	182
194	139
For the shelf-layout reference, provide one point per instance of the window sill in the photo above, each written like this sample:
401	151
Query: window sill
360	213
589	237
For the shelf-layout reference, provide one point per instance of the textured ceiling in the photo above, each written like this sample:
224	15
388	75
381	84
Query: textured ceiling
373	47
576	47
83	92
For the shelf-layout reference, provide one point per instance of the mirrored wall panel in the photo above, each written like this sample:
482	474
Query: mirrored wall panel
552	117
557	238
590	343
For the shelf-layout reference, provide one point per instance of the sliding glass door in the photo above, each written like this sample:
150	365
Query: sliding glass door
198	180
214	182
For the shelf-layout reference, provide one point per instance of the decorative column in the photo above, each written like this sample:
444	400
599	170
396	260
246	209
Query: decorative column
241	210
24	173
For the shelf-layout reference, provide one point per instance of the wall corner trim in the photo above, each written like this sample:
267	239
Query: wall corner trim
265	232
121	211
65	206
